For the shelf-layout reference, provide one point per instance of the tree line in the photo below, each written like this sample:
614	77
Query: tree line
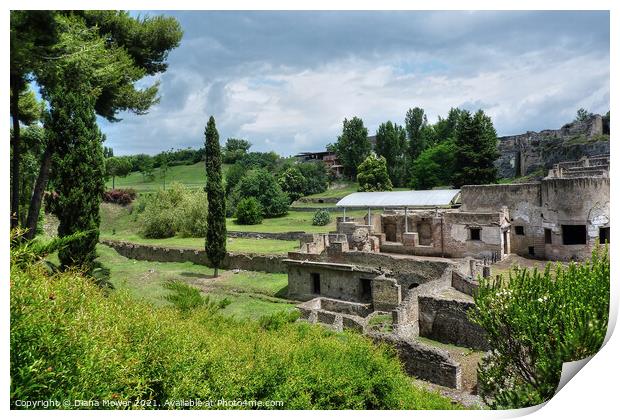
457	150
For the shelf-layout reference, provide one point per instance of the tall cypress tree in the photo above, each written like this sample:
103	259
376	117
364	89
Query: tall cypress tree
79	171
215	243
476	150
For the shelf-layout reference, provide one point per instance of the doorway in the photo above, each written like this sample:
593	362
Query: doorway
506	243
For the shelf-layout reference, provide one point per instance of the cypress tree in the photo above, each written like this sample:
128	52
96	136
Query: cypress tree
79	171
215	243
476	150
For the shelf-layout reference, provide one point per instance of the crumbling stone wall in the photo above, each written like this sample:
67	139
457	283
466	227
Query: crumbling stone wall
284	236
446	320
241	261
424	362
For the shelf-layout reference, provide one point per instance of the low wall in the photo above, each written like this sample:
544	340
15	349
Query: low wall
464	284
424	362
284	236
251	262
446	320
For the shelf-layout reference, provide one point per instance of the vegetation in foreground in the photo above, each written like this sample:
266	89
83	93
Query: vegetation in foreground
71	341
535	322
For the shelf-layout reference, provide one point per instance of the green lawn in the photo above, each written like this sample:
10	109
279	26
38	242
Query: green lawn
193	176
252	294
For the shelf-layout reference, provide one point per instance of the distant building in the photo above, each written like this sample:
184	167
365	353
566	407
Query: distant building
328	158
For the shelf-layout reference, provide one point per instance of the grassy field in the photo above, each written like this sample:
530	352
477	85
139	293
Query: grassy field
193	176
252	294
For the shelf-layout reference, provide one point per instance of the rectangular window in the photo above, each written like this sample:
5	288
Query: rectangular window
574	234
530	250
366	289
519	230
474	234
603	235
316	283
548	236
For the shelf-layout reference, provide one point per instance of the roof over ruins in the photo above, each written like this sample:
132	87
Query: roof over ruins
412	199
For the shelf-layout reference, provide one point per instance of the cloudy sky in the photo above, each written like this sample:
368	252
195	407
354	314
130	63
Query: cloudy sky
286	80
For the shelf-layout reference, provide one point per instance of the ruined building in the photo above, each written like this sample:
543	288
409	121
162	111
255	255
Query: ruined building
416	254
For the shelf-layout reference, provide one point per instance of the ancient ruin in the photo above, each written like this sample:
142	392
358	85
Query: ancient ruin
417	258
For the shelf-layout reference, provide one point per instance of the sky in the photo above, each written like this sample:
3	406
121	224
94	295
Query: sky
285	81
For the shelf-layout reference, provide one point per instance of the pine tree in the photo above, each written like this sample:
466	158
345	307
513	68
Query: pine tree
476	150
79	171
215	243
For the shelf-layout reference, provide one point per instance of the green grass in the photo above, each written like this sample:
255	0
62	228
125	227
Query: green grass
252	294
117	223
193	176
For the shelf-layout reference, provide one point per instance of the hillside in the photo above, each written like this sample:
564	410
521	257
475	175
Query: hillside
193	176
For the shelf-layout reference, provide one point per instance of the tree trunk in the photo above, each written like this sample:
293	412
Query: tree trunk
37	193
16	158
215	272
113	181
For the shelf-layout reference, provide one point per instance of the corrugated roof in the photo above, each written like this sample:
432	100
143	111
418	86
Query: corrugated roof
425	198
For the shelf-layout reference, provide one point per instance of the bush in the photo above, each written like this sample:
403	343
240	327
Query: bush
70	342
293	183
321	218
535	322
119	196
274	322
192	215
176	210
249	212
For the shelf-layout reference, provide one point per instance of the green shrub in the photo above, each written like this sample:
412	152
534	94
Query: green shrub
535	322
278	320
372	175
263	186
70	342
249	212
192	215
176	210
321	218
187	298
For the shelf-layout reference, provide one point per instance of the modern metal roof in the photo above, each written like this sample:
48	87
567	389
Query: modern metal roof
422	198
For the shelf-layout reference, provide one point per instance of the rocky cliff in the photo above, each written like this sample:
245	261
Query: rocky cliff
534	153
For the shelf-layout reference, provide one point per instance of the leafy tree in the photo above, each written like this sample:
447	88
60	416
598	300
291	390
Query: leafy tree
215	243
78	175
415	121
315	174
353	145
293	183
535	322
249	212
434	167
235	149
583	115
392	145
117	166
263	186
101	54
445	129
268	160
476	150
372	175
234	174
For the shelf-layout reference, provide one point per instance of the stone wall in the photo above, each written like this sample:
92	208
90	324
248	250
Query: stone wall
464	284
284	236
424	362
445	319
251	262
